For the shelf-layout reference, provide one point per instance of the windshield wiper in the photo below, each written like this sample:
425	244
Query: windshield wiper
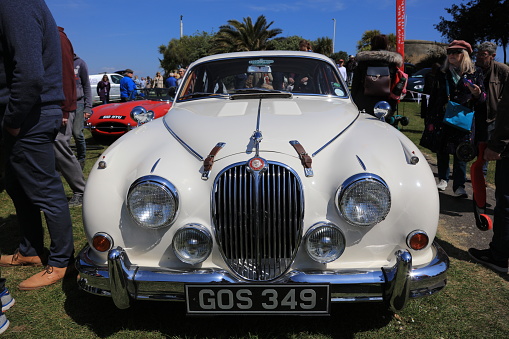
257	93
199	95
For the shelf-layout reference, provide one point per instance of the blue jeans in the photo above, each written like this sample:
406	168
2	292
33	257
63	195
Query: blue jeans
459	169
500	242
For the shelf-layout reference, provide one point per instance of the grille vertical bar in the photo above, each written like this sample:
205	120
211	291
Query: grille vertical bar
258	219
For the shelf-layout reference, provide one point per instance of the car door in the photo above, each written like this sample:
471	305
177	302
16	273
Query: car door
115	86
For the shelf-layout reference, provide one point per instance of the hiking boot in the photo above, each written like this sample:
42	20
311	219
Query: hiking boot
7	300
4	323
486	257
18	259
460	192
442	185
49	276
76	200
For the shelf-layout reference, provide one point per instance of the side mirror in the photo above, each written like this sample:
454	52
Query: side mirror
382	109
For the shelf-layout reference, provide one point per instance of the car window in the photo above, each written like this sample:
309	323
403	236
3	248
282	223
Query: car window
115	78
421	73
276	74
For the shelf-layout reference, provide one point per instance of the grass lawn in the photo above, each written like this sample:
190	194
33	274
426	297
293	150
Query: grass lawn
473	305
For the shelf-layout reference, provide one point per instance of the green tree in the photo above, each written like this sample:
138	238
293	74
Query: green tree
245	36
477	21
339	55
365	43
285	44
181	52
322	46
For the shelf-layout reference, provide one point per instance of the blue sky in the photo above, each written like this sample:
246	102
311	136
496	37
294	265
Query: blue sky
111	34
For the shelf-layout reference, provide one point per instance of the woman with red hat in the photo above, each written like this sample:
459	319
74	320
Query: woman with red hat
462	82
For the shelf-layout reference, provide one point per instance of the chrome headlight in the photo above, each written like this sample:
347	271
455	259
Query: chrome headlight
141	115
364	200
192	244
325	242
153	202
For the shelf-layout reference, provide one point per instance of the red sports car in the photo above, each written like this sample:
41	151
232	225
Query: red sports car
114	120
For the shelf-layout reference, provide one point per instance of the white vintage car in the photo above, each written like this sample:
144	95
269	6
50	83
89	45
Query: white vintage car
263	190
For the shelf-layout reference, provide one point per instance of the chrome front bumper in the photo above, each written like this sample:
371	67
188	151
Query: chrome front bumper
394	286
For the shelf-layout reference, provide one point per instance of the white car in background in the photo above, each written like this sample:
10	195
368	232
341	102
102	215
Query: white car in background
114	79
263	190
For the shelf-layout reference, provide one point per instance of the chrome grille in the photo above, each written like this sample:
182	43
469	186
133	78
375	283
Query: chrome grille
112	127
258	219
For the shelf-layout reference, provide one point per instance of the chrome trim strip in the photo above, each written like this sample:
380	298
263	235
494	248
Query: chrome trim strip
337	136
164	284
186	146
155	165
361	162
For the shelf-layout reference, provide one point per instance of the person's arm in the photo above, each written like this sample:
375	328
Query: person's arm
500	139
87	90
24	43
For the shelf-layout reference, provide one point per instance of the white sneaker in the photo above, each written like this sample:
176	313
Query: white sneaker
7	300
442	185
461	193
4	323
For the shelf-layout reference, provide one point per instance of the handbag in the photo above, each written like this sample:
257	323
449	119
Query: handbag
457	115
377	82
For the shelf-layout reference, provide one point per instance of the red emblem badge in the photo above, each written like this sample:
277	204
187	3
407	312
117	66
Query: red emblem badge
256	164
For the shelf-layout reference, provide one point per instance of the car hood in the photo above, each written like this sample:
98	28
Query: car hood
312	121
124	108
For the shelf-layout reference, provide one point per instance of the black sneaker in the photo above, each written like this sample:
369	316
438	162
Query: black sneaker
76	200
486	257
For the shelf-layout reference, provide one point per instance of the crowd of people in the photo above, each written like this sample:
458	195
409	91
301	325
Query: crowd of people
131	84
46	96
482	87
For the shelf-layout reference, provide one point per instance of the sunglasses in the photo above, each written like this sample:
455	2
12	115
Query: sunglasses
454	51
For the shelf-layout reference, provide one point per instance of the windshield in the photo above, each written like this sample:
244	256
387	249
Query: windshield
421	73
267	75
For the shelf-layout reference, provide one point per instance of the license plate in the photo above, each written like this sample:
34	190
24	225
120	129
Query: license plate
115	117
258	299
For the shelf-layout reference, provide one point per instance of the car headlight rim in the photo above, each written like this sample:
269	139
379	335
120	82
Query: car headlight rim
153	214
192	238
329	235
371	207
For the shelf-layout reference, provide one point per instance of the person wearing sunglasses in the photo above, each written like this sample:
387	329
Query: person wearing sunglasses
462	82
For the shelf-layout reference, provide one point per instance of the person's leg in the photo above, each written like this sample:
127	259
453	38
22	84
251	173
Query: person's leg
443	165
459	173
77	133
66	162
31	165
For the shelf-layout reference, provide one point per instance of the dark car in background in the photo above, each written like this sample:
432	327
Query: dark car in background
415	85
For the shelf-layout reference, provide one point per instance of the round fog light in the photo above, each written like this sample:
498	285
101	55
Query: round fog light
325	242
417	240
192	244
102	242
